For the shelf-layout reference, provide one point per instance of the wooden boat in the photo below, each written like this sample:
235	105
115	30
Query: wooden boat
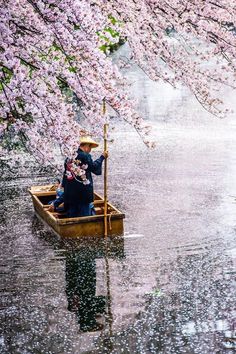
80	226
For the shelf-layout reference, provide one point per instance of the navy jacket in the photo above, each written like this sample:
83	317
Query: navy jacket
76	192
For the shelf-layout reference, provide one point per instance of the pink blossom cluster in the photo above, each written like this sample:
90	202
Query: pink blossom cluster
52	66
46	44
76	170
191	42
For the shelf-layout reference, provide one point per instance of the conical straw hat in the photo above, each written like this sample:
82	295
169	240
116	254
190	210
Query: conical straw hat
88	140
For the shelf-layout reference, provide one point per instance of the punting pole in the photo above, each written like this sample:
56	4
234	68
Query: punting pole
105	171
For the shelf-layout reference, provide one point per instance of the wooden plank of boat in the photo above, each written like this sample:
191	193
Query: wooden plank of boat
80	226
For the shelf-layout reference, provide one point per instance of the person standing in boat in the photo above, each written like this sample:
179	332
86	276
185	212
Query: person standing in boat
78	181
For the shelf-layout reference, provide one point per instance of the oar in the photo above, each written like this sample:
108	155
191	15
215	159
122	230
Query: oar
105	172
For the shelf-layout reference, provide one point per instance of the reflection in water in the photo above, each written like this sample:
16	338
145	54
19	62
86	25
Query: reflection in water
81	290
93	311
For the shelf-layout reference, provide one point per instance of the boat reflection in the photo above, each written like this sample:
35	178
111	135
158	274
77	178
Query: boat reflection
87	262
93	311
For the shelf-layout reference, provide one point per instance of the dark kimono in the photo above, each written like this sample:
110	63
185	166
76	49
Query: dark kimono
78	196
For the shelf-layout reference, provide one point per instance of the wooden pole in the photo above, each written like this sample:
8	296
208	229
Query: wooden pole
105	172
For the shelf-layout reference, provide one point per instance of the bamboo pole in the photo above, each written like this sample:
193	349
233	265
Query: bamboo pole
109	318
105	172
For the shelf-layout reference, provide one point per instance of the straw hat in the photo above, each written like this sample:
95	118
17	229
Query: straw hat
88	140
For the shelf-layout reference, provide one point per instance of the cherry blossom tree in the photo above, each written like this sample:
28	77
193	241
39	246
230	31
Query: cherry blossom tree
200	32
55	62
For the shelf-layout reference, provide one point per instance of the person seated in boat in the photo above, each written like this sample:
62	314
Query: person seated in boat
78	181
58	203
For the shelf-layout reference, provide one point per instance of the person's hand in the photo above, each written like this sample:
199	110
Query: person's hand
105	154
51	208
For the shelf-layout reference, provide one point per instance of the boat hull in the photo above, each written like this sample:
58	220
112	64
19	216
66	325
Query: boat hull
81	226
